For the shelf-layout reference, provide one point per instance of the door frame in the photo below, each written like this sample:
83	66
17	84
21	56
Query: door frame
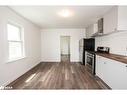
68	45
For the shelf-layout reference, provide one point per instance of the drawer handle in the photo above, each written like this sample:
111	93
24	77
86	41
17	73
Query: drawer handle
104	62
126	66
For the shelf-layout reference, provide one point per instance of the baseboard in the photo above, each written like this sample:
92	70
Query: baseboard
76	61
49	62
59	62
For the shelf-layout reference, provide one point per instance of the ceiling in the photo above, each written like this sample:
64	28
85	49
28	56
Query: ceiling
47	16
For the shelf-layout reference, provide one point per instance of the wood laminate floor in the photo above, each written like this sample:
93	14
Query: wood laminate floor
63	75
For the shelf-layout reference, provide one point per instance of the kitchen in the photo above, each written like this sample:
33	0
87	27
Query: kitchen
108	53
68	50
64	47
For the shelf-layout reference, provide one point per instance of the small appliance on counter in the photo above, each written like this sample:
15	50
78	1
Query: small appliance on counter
103	49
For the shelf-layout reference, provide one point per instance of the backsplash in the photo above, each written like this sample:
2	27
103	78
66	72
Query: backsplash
116	41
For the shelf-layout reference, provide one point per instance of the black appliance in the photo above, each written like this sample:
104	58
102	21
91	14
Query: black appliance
88	45
103	49
90	60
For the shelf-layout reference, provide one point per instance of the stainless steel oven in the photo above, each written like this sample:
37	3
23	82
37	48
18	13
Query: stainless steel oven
90	60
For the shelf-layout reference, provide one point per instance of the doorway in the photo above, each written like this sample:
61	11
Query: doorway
65	48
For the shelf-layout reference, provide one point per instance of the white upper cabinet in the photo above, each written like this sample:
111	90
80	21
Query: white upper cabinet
122	18
91	29
95	28
115	19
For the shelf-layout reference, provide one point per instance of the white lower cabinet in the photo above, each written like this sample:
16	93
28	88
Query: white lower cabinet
112	72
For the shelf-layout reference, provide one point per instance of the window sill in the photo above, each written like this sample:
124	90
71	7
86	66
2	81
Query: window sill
14	60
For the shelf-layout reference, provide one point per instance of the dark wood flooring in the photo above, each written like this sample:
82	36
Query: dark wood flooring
63	75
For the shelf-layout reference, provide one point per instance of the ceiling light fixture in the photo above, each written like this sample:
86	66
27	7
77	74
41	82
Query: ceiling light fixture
65	13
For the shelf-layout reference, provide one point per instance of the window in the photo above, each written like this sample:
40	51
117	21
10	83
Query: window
15	42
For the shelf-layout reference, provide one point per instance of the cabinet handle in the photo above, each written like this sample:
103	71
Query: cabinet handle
104	62
126	66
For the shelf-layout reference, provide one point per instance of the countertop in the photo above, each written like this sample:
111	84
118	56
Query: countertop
116	57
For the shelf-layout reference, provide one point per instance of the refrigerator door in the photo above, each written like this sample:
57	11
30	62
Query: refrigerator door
81	51
81	55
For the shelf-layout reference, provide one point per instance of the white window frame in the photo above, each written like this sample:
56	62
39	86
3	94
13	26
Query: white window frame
21	41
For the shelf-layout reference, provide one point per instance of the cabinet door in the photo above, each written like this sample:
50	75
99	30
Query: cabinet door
89	31
115	19
122	18
95	28
115	74
112	72
99	67
110	21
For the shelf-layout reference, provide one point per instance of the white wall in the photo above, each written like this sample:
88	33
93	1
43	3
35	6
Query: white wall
117	42
50	43
65	45
11	71
89	30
